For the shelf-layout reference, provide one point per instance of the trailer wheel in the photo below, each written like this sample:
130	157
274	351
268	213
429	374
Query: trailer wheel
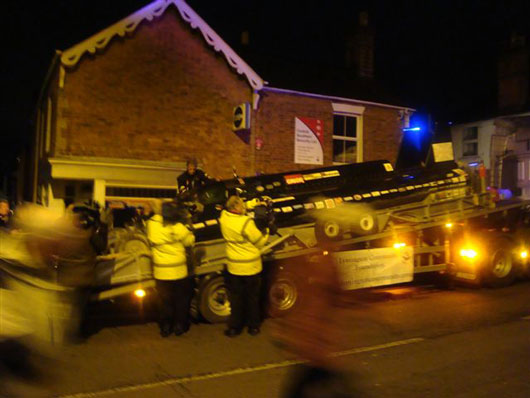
282	295
214	304
134	244
328	230
500	270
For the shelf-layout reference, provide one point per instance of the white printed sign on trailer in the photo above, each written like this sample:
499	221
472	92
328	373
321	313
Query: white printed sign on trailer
375	267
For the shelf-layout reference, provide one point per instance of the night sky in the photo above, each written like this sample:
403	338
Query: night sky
437	56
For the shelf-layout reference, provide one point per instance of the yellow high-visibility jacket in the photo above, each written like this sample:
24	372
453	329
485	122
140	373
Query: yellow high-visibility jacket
243	241
168	247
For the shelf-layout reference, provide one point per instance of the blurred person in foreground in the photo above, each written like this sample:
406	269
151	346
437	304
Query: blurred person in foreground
169	237
312	331
5	213
50	260
243	242
47	264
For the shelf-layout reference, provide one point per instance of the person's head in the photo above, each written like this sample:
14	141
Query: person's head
191	166
235	204
4	208
173	213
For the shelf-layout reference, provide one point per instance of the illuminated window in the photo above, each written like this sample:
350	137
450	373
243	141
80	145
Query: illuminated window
345	139
470	141
48	131
133	192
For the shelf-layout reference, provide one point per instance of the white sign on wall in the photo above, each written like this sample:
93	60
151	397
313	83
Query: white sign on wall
308	140
375	267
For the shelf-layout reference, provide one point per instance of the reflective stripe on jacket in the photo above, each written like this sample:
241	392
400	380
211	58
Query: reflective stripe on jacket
243	241
168	246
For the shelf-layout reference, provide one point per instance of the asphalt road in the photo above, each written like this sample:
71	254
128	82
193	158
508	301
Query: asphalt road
417	342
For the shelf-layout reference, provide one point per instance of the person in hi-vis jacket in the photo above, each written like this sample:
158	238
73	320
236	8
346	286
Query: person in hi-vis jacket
169	237
243	242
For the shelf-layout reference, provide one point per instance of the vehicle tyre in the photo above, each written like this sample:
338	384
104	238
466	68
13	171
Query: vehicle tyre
194	308
328	230
134	244
282	295
499	269
214	303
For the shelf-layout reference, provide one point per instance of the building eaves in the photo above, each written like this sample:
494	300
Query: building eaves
334	98
99	41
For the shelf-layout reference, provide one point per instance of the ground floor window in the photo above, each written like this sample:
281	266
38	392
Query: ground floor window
520	170
140	192
345	138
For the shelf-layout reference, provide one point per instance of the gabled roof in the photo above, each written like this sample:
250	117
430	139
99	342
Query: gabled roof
157	8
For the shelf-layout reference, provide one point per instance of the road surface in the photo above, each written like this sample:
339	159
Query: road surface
411	342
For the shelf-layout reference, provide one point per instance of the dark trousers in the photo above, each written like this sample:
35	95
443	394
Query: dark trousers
312	381
244	293
174	299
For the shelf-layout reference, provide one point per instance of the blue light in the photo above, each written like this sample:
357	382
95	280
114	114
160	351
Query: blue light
473	164
412	129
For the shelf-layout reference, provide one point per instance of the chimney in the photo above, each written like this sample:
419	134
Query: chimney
513	75
360	48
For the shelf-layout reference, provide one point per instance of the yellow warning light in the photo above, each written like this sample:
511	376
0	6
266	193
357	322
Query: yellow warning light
325	253
399	245
449	225
468	253
523	254
140	293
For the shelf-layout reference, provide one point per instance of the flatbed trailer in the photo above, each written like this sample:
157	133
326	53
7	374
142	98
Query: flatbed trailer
436	230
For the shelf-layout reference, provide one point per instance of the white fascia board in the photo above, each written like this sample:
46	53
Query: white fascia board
334	98
117	173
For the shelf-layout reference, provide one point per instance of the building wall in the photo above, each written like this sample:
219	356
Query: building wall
522	152
486	128
275	125
161	95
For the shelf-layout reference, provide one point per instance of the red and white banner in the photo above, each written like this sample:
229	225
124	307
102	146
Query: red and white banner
308	141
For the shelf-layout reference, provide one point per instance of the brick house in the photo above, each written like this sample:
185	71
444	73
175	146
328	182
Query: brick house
120	112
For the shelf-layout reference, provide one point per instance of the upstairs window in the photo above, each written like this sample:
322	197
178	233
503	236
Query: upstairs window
470	141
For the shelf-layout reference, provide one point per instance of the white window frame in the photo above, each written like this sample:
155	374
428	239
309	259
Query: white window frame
356	112
520	170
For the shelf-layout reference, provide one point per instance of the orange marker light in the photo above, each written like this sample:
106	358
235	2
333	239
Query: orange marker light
468	253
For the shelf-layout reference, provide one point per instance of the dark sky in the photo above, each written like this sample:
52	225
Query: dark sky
437	56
